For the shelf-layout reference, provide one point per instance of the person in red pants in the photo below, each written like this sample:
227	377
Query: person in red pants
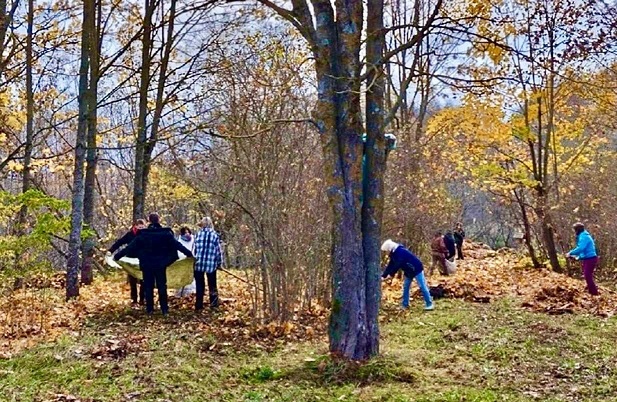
585	252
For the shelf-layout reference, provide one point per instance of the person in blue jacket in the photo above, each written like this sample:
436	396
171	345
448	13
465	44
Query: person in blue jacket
450	243
401	258
585	252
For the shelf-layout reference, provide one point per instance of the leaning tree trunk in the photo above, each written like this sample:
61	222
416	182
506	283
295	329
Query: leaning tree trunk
77	201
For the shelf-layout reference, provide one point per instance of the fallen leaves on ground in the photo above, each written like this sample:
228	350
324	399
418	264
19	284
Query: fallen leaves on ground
487	274
37	312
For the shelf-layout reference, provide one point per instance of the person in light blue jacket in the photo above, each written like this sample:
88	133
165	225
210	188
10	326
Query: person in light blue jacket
585	252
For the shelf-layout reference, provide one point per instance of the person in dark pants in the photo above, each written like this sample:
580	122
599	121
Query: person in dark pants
585	251
459	237
208	259
156	248
124	240
448	240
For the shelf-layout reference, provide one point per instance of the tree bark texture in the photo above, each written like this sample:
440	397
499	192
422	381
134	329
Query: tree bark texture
334	33
87	275
375	154
77	201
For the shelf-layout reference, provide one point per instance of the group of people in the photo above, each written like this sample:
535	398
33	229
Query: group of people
442	249
446	247
156	248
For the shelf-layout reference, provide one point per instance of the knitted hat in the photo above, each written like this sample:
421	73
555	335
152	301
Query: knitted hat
389	246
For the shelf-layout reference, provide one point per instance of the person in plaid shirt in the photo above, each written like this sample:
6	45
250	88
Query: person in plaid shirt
207	261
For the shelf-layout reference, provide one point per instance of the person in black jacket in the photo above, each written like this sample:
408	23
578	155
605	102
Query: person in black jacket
123	241
156	248
403	259
449	241
459	236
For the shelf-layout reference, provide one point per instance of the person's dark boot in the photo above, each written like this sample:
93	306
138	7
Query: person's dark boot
214	300
199	303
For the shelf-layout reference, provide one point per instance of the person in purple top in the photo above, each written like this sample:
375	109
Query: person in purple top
401	258
585	252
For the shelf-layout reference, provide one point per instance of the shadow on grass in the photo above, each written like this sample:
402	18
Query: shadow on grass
329	370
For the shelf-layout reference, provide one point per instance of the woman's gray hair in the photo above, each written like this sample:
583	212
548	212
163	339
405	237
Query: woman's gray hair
206	223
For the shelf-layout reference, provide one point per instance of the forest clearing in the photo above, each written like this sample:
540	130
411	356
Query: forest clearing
496	337
231	200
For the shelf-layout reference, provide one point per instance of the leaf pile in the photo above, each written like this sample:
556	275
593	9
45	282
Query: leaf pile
486	274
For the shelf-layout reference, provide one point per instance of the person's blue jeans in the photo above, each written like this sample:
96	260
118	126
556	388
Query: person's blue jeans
423	288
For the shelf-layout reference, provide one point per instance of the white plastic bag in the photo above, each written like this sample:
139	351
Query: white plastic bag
450	267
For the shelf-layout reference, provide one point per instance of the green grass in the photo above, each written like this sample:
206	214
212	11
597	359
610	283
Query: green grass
459	352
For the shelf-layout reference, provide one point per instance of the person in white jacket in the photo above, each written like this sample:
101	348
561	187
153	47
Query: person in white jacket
187	239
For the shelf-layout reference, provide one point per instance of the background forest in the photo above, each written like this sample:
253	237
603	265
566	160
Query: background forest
504	114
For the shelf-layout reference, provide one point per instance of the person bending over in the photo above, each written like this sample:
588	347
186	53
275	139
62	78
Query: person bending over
403	259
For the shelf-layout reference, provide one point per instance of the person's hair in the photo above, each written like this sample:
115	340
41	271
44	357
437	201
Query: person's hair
206	223
140	222
184	230
459	224
153	218
578	227
438	233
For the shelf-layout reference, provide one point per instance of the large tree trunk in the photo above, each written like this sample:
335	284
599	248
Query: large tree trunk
353	326
92	153
373	183
357	204
77	202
